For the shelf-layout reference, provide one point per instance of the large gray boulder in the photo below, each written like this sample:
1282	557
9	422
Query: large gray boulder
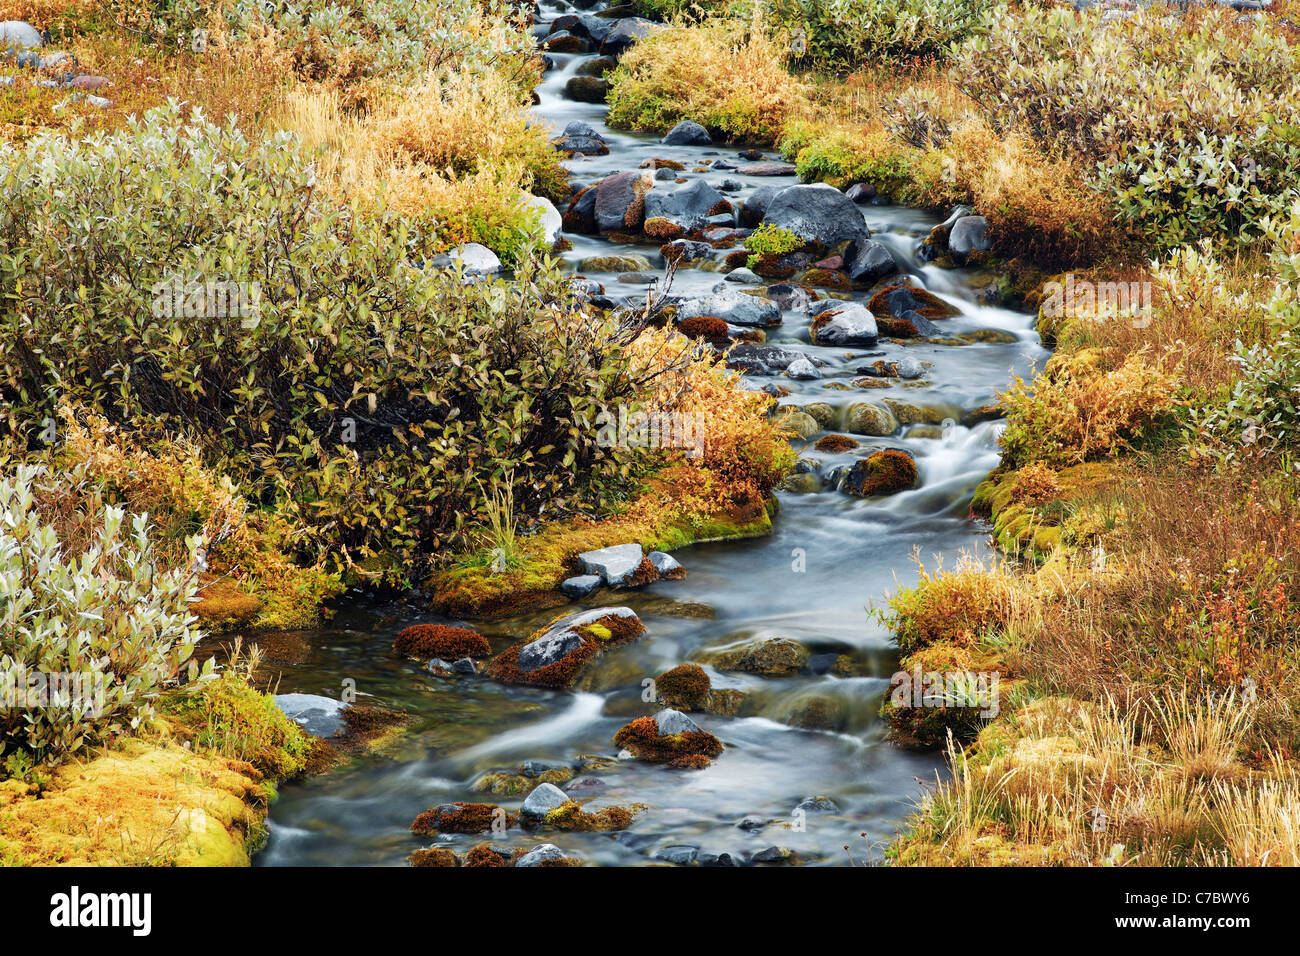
734	307
617	207
969	234
15	33
817	212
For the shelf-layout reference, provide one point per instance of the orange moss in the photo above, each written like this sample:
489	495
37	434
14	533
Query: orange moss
708	327
570	817
440	640
459	817
563	672
685	687
434	856
642	738
834	444
658	227
882	473
929	305
826	279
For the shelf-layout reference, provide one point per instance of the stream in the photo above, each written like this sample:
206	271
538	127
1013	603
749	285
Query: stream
830	559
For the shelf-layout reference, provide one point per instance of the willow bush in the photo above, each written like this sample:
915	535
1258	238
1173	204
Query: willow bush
376	400
92	626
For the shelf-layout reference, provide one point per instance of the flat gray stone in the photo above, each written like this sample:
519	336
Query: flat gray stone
615	565
733	307
580	585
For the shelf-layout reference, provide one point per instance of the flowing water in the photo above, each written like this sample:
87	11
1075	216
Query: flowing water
829	560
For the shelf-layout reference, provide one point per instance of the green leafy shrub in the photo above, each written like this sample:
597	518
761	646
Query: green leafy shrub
375	401
770	240
841	34
92	627
1261	412
1211	161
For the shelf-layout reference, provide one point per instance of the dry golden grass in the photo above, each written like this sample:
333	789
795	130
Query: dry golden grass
1150	783
458	165
727	76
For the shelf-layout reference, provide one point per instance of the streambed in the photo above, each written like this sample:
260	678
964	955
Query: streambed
829	560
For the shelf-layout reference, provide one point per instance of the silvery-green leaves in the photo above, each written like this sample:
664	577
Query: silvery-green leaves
99	615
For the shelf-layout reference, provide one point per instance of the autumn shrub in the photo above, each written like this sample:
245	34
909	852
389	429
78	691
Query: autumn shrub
726	75
1080	409
960	606
250	554
1212	162
376	401
92	625
839	34
1259	414
346	47
457	160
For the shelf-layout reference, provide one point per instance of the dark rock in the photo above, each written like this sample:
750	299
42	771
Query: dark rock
755	207
679	855
687	133
619	201
688	206
624	33
870	261
587	89
861	193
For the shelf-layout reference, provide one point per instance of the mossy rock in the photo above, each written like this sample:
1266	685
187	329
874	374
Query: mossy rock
885	472
689	750
425	641
582	637
767	657
624	263
868	418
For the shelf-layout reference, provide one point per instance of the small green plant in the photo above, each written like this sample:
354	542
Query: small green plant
770	240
